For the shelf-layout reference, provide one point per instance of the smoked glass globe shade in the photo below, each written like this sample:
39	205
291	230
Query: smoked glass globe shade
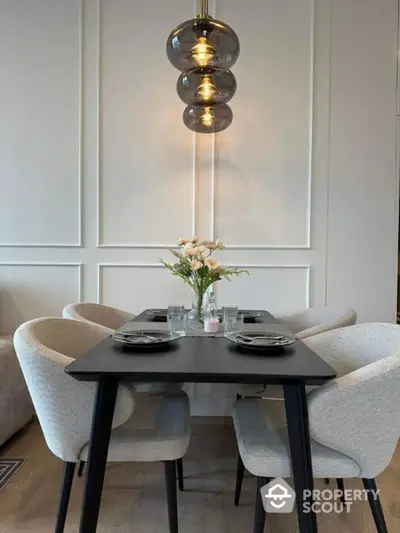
202	42
207	119
206	86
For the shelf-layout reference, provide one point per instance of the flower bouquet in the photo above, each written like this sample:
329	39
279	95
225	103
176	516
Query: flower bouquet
199	270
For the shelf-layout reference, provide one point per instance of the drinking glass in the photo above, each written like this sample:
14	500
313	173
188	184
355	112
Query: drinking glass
177	319
229	311
233	324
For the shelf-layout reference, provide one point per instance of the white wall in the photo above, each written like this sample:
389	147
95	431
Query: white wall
98	173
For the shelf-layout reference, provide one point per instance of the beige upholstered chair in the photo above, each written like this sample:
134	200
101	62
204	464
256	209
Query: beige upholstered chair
112	319
106	316
16	407
145	427
304	324
315	320
354	419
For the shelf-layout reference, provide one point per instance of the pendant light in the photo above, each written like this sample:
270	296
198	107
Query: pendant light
204	49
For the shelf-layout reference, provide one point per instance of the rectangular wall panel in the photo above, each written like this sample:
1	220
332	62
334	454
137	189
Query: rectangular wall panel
137	287
146	152
263	160
32	290
280	289
40	58
364	177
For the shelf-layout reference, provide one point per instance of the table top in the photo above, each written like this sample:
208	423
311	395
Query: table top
202	360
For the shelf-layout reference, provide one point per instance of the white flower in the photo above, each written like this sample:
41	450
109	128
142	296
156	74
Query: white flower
176	253
211	245
196	264
201	248
220	244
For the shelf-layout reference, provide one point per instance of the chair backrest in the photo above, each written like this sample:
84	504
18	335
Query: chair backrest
104	315
317	320
358	414
64	406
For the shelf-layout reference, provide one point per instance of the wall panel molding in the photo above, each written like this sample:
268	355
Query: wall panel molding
305	267
78	244
79	266
266	266
99	174
101	266
292	246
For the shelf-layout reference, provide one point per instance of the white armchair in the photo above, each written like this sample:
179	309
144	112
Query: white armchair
354	419
315	320
65	406
113	319
104	315
304	324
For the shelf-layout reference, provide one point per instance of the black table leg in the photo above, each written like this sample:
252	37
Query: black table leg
300	451
97	457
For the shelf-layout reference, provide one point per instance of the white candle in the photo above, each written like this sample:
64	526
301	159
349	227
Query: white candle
211	325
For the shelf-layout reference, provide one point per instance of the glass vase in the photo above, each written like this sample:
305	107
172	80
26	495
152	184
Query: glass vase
195	317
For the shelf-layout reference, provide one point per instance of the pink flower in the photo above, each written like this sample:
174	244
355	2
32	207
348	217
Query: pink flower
181	242
196	264
192	252
211	245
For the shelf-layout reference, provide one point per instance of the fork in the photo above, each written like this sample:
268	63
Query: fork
265	337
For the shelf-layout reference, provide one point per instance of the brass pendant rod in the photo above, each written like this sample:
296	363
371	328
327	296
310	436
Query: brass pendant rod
203	8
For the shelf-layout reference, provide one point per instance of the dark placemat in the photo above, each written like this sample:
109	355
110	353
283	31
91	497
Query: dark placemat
268	328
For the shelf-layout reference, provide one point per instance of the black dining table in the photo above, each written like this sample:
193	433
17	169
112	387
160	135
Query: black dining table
199	360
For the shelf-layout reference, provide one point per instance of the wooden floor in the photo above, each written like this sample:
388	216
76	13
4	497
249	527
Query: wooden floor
134	495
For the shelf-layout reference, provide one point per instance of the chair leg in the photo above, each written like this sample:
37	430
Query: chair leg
170	483
340	486
66	484
259	513
179	467
239	396
375	505
81	468
239	480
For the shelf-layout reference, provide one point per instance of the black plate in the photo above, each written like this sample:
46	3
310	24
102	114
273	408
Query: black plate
145	338
240	339
248	316
158	315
